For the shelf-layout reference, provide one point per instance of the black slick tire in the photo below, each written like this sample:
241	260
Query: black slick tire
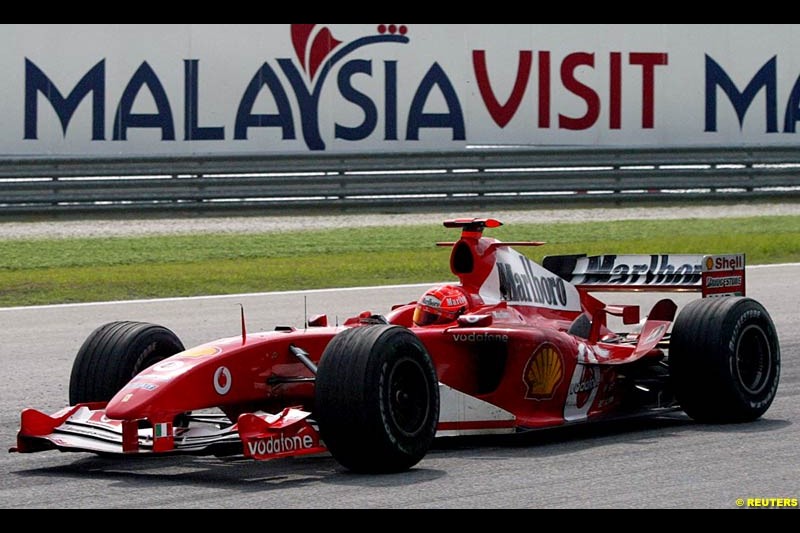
724	359
377	399
113	354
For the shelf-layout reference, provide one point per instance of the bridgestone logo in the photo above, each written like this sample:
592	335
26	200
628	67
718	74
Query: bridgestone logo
752	314
281	444
730	281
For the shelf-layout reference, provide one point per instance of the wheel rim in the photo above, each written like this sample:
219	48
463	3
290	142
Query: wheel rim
409	396
753	360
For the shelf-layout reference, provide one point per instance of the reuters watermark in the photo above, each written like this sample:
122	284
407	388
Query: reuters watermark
766	503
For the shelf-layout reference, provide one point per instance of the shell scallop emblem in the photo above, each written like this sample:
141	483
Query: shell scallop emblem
544	371
202	351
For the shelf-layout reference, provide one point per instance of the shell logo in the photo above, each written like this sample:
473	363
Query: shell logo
202	351
543	372
709	263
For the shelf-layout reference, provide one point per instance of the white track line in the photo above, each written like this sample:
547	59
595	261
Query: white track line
217	296
251	294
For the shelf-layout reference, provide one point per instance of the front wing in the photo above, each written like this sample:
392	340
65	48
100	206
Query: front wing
85	428
262	436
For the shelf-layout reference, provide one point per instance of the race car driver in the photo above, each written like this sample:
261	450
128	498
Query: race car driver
441	305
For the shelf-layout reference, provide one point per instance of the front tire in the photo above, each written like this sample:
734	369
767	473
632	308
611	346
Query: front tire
115	352
377	399
724	359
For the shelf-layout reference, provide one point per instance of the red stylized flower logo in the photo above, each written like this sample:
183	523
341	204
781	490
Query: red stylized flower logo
317	51
312	55
313	51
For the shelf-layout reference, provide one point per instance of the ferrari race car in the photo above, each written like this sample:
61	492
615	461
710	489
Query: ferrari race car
513	346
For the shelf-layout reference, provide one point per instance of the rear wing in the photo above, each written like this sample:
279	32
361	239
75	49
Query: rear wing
713	275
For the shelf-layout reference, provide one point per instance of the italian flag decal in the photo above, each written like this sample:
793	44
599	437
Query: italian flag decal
161	430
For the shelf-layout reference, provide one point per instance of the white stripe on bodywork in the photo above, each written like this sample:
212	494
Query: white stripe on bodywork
455	406
578	385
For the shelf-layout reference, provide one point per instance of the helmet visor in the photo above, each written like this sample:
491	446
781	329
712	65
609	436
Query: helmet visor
424	317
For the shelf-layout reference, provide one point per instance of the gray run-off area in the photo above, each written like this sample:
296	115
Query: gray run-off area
131	226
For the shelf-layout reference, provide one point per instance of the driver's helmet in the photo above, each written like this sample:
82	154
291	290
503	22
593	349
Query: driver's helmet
440	305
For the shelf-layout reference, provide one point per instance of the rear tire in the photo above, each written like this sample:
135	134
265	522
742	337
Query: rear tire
113	354
377	399
724	359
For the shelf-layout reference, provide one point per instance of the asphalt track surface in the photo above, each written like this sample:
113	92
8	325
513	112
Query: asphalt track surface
671	462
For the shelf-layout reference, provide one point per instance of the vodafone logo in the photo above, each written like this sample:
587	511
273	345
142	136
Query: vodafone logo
581	392
280	444
222	380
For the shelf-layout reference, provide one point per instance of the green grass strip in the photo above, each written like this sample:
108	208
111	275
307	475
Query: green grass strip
44	271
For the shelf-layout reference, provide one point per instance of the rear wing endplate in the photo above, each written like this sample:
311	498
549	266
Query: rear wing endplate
713	275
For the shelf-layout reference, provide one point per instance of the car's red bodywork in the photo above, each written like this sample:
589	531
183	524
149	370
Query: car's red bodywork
532	351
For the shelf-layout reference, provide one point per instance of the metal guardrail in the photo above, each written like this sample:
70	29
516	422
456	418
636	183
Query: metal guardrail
496	177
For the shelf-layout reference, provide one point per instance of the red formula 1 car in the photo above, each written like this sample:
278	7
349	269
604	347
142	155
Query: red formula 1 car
513	346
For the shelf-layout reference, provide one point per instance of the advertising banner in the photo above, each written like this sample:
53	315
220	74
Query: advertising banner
202	89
